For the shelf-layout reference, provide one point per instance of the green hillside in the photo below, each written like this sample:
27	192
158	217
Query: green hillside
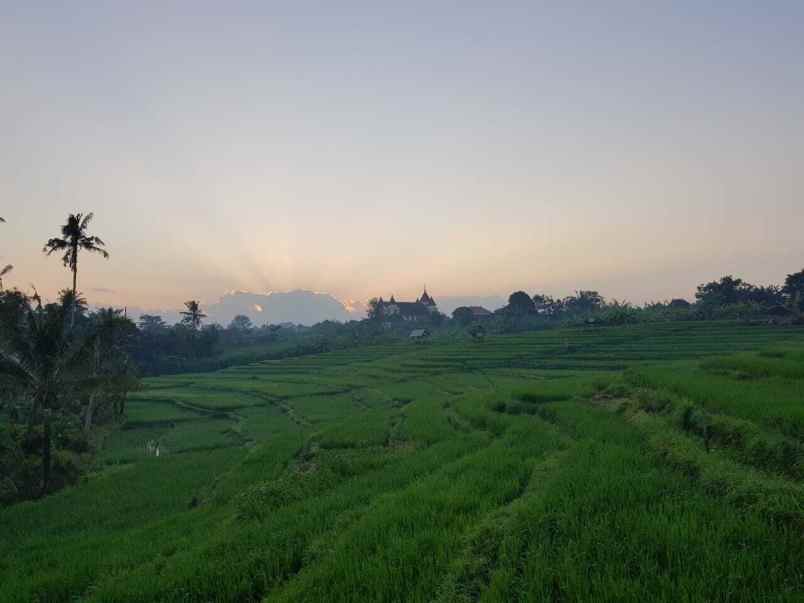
642	463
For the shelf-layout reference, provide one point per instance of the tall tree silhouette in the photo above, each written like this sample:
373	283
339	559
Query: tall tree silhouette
43	362
112	376
3	272
76	301
193	316
75	238
8	268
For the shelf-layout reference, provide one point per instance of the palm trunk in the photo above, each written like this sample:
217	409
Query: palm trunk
122	404
75	287
34	414
45	457
89	413
91	404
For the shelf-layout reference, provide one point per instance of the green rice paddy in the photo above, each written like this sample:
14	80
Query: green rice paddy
658	462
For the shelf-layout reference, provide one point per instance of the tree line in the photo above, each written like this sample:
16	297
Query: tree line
726	298
66	371
63	371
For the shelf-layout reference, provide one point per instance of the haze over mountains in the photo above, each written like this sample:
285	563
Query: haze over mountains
301	307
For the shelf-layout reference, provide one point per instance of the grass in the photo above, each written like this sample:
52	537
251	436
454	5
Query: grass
775	402
659	462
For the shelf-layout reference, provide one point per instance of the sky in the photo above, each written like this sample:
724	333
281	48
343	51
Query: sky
369	148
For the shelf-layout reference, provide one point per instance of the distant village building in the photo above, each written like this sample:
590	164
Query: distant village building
422	309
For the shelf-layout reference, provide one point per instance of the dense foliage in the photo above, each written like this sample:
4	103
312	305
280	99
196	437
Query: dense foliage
62	373
191	346
727	298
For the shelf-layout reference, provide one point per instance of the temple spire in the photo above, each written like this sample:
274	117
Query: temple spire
426	299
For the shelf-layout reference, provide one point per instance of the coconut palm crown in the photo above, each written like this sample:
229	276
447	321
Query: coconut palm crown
193	316
75	237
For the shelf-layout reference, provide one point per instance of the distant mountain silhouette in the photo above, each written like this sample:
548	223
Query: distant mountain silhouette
299	307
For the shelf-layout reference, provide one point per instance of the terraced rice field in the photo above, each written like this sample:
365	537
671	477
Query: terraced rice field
656	462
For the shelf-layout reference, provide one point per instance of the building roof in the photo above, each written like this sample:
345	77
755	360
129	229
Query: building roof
416	308
411	308
426	299
421	307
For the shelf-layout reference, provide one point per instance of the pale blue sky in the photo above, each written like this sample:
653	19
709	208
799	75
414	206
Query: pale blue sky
636	148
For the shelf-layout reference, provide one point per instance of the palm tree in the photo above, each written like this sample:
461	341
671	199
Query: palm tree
5	270
193	316
75	238
41	359
112	377
76	301
151	324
